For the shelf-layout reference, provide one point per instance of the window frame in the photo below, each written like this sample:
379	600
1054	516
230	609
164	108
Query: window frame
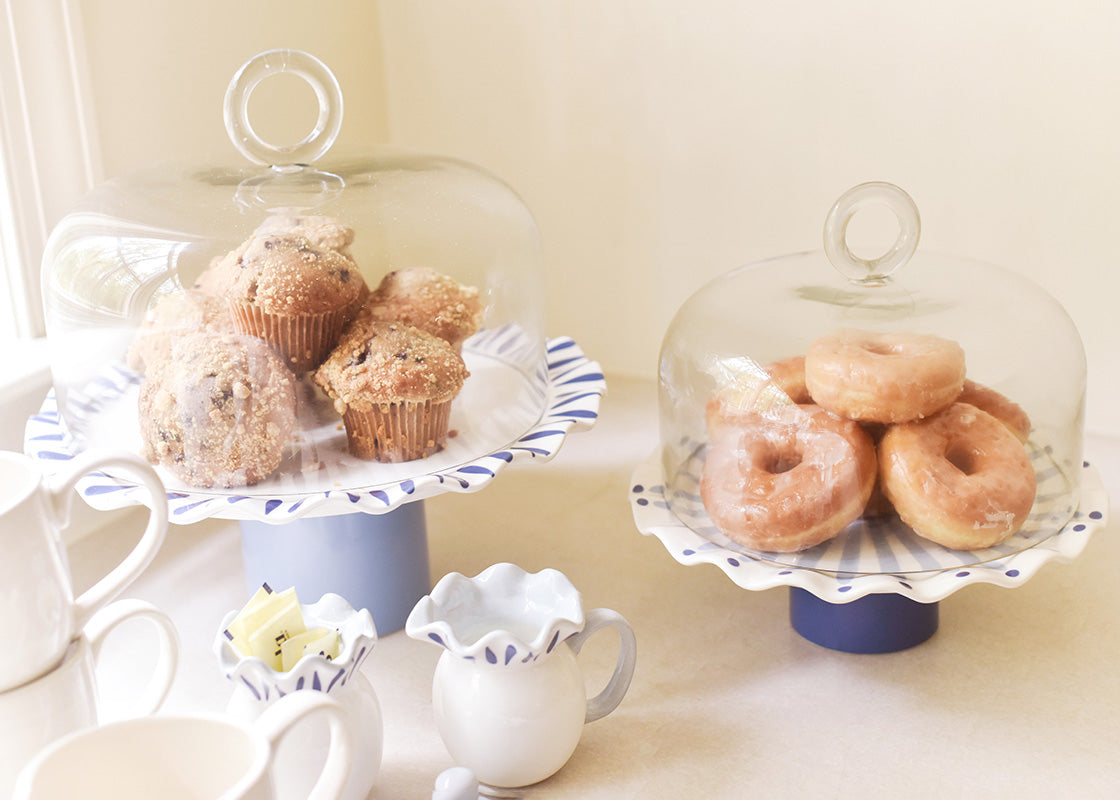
49	153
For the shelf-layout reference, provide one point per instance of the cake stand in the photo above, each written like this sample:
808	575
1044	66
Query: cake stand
876	587
327	522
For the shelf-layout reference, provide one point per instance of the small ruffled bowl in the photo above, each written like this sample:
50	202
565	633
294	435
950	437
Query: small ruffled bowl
504	616
356	634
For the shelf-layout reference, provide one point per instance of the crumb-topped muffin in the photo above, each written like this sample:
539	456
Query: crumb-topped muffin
393	385
326	233
213	280
219	411
429	300
172	316
294	295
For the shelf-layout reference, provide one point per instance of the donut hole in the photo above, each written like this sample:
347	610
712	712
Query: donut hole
963	457
780	462
882	349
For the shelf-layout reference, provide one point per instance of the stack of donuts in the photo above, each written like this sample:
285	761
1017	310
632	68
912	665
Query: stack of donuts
878	423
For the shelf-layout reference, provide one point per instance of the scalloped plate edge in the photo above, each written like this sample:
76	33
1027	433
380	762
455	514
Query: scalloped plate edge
575	388
653	517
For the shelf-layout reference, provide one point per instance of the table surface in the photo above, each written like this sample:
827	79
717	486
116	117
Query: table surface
1016	695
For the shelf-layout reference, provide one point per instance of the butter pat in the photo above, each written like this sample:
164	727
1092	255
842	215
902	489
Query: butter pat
317	641
272	625
236	632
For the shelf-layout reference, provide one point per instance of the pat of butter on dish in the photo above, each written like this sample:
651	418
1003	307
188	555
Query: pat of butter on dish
315	642
269	622
236	632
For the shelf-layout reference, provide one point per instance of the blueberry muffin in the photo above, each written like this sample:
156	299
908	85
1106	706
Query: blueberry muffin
429	300
172	316
219	411
326	233
294	295
393	385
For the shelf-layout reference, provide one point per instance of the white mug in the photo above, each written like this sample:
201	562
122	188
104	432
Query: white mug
40	614
184	757
66	699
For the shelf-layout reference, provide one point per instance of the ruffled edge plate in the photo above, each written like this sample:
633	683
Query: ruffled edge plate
653	516
574	386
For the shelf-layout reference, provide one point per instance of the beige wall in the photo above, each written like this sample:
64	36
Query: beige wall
159	70
660	143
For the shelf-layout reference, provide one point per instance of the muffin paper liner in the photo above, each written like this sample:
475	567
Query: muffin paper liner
304	341
398	431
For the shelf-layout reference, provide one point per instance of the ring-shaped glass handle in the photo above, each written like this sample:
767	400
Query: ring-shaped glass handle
875	270
236	108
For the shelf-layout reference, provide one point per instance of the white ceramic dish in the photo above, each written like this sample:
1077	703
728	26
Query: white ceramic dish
357	637
504	616
319	478
508	693
878	558
257	687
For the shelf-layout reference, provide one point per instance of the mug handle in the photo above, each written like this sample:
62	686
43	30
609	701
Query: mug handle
112	615
607	700
278	719
114	582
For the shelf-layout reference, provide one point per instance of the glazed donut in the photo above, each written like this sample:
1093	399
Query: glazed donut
1006	411
884	377
789	376
959	478
752	391
789	481
877	505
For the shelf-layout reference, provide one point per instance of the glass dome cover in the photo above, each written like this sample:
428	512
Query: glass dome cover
159	234
722	359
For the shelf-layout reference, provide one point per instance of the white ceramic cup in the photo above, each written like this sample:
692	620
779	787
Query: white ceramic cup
184	757
39	615
66	699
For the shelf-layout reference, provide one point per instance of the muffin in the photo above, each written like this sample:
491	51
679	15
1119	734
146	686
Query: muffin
428	300
326	233
213	280
219	411
393	385
294	295
172	316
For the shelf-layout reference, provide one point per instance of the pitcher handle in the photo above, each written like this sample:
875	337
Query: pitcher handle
607	700
112	615
113	583
279	718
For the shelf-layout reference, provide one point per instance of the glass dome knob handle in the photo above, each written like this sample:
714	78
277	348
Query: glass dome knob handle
236	108
875	270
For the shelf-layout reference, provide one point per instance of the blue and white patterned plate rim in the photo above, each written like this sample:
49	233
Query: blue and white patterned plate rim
574	387
653	516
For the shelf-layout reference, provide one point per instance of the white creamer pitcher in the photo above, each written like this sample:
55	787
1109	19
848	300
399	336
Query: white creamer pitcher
508	693
40	613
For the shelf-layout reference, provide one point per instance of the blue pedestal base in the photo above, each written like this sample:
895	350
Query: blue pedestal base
375	561
875	623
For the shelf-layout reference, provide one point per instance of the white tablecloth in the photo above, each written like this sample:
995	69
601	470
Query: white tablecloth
1016	695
